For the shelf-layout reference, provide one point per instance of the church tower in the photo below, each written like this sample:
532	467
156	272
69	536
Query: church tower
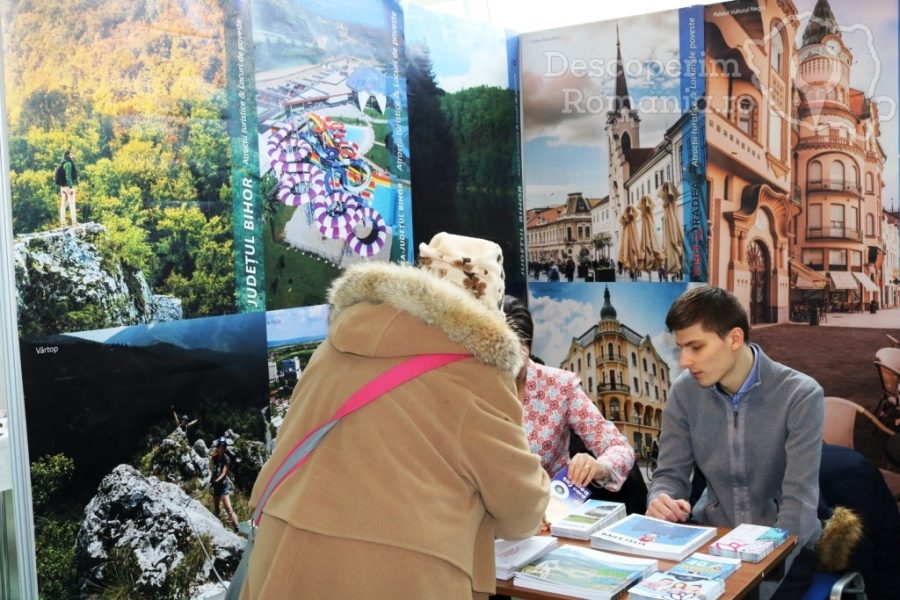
622	135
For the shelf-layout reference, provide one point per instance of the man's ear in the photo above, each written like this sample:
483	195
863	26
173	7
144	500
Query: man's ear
735	338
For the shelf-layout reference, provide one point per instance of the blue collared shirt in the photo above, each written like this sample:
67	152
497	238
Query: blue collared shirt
751	380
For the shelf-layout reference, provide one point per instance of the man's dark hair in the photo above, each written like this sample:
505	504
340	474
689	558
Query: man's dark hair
519	319
67	154
713	308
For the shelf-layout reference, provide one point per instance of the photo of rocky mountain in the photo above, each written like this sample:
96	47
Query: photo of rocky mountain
114	464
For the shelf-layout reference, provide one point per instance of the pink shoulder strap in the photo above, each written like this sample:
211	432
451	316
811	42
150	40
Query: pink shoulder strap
393	377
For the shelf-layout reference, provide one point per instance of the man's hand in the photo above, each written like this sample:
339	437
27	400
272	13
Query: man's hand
668	509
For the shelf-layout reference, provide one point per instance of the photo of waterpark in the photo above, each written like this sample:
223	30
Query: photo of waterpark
333	173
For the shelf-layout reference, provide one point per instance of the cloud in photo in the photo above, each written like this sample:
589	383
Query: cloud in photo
553	80
305	322
464	53
562	312
565	108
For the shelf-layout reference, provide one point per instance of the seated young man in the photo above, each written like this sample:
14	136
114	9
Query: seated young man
753	427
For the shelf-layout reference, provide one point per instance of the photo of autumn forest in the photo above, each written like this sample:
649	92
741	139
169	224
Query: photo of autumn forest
135	90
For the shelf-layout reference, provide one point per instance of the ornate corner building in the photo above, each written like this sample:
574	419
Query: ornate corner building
623	374
795	165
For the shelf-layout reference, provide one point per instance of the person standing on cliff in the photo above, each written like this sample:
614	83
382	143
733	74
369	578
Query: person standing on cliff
67	180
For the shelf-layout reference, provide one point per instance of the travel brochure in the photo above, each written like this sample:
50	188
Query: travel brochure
565	497
511	555
749	542
588	518
647	536
706	566
699	577
590	573
668	586
583	573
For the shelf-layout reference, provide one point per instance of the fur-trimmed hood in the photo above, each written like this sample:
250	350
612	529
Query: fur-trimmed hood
466	321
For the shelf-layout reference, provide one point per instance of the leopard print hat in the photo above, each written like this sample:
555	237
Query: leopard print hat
474	264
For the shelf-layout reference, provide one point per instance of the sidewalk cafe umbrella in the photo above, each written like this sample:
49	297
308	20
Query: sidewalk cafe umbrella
673	238
628	251
649	248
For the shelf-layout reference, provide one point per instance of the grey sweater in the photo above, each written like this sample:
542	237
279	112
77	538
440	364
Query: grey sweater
761	461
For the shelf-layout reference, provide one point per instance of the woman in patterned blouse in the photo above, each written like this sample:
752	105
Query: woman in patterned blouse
555	406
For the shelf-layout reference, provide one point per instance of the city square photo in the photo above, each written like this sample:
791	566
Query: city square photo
613	149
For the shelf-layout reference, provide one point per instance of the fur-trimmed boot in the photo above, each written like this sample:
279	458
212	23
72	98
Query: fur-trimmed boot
840	535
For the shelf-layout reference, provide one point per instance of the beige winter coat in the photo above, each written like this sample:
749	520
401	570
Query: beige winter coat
402	499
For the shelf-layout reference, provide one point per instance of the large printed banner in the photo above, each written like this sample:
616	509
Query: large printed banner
225	162
463	82
318	108
613	138
188	178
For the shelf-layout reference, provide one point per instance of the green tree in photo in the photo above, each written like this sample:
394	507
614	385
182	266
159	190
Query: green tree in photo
195	260
55	526
206	150
36	204
433	149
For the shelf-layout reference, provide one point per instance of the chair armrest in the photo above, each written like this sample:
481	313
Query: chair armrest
849	583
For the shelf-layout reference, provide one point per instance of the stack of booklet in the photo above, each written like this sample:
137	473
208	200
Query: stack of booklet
699	577
749	542
647	536
583	573
511	555
588	518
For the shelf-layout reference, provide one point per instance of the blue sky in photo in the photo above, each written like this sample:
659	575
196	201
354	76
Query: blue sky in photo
562	311
294	325
348	11
464	53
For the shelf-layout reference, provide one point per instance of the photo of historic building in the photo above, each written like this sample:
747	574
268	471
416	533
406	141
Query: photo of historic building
614	337
605	130
797	153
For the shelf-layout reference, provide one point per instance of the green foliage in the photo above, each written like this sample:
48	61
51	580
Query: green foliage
185	572
120	574
49	474
126	241
196	257
37	200
268	187
206	149
217	417
54	545
144	111
83	319
433	149
55	526
482	122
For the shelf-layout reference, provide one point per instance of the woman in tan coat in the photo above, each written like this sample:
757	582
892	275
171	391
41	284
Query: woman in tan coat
402	499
